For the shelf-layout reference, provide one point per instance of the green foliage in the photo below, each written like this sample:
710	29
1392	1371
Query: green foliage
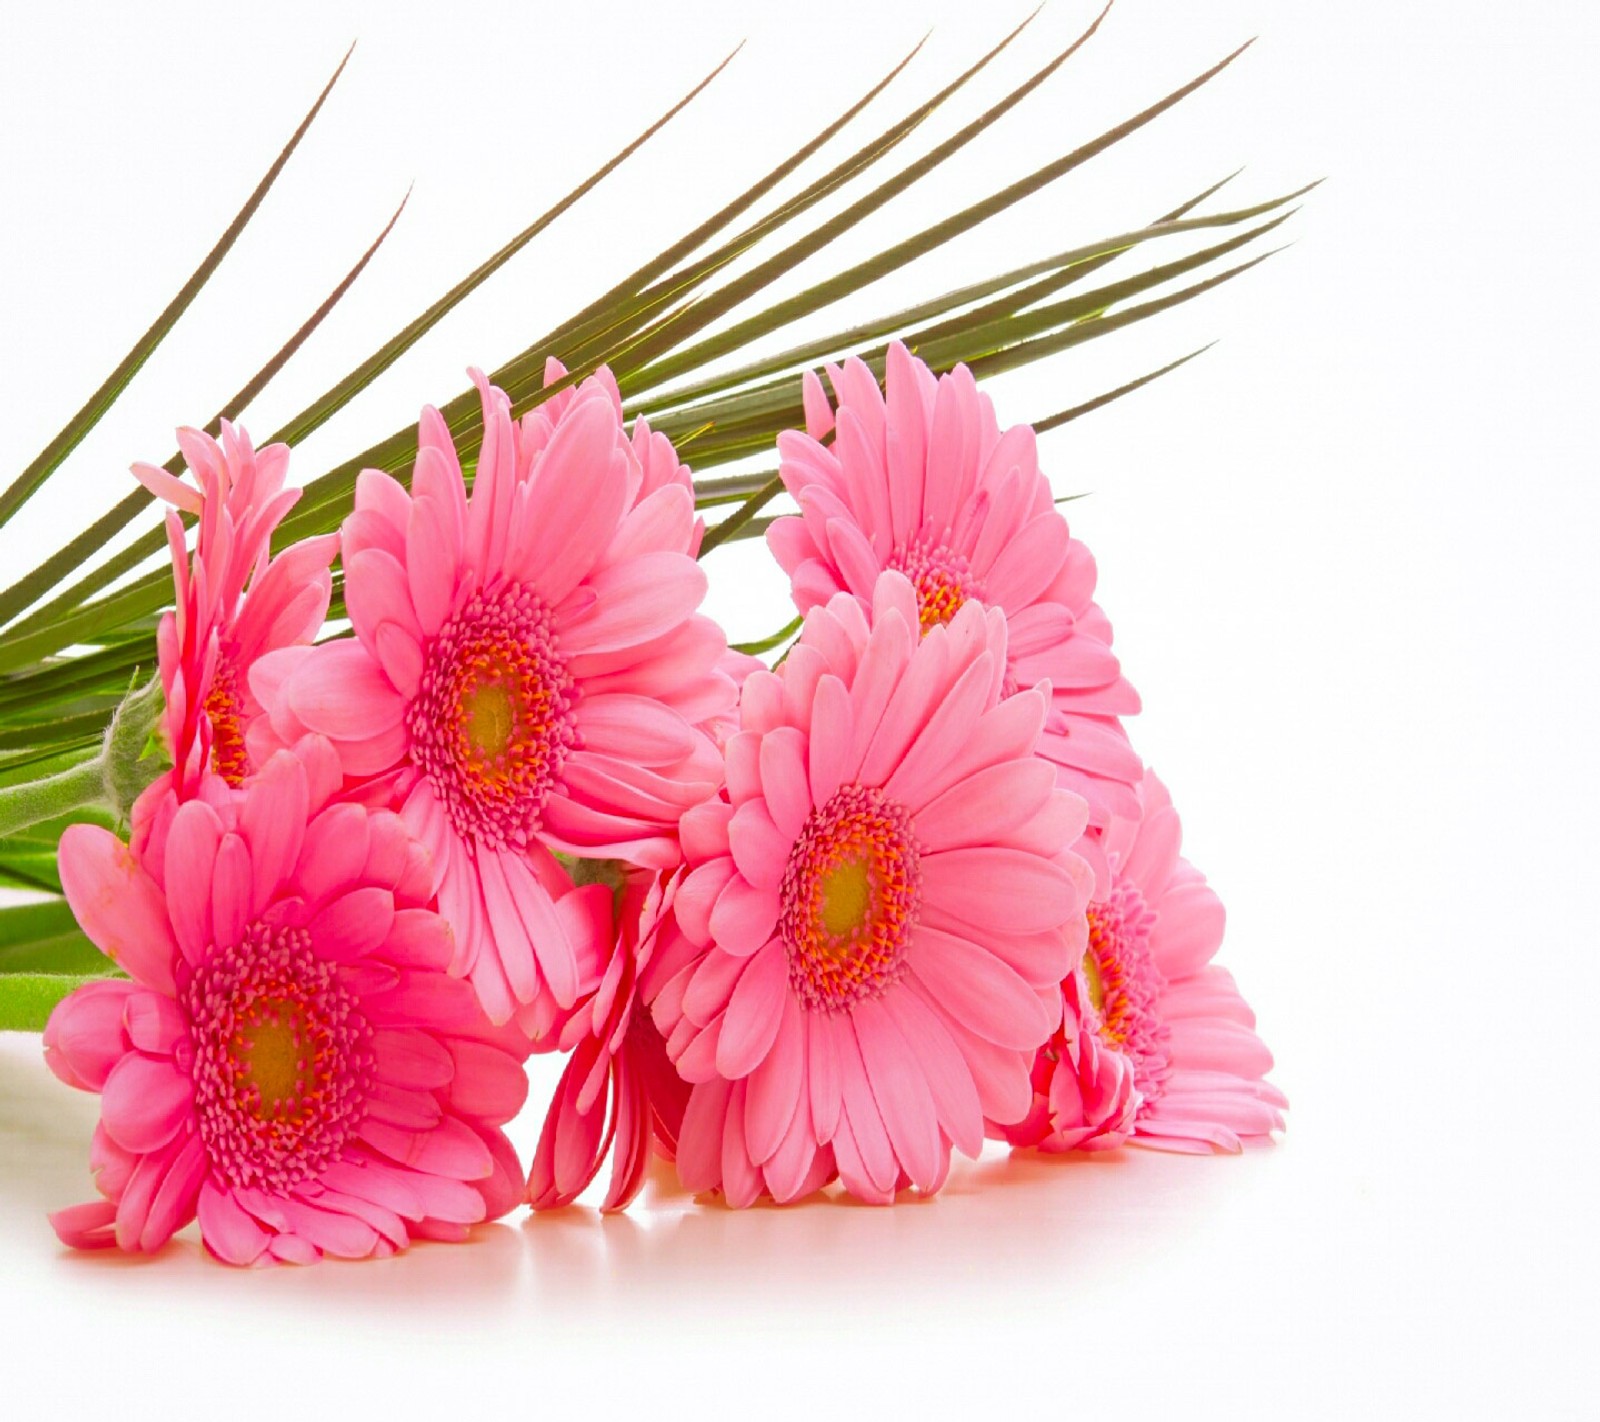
27	999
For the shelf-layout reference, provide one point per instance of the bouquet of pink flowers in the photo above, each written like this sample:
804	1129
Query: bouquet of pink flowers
442	766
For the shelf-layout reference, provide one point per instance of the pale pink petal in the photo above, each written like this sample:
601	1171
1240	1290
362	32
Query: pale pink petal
755	1011
341	691
979	990
985	884
776	1086
637	601
944	1069
760	849
901	1092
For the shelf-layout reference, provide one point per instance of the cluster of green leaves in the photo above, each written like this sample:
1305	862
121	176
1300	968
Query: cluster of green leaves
76	626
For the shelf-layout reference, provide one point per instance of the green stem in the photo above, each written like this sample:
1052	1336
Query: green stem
35	801
116	777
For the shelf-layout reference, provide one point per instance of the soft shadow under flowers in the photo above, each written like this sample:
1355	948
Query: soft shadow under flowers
1033	1220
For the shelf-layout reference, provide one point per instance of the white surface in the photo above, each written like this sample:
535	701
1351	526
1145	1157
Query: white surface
1349	556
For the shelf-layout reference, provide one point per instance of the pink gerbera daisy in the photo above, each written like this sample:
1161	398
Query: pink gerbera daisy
528	673
234	603
884	906
1156	1044
920	478
290	1061
619	1092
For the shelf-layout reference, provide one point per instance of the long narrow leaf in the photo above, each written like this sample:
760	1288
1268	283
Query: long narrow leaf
1062	417
26	590
726	300
742	515
835	288
327	405
686	403
321	410
45	938
49	458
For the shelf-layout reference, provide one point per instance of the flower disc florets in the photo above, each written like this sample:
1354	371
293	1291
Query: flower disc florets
282	1059
490	724
849	898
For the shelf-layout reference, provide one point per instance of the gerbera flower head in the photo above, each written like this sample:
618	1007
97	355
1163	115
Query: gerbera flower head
234	602
619	1094
528	674
883	906
919	477
288	1061
1156	1044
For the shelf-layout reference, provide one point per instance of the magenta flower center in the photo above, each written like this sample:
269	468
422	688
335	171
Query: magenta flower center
491	723
942	577
849	899
1122	986
282	1059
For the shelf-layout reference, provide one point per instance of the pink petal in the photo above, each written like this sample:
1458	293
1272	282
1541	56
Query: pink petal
173	1204
85	1037
949	1082
154	1022
419	938
832	734
637	602
431	567
192	845
579	497
232	889
490	1085
1188	930
330	1231
823	1074
153	1204
979	990
376	593
1029	562
352	925
273	820
572	1143
741	1181
409	1057
334	852
784	780
117	904
744	917
985	805
901	1092
450	1149
754	1013
639	728
86	1226
1004	886
759	848
776	1085
700	1141
145	1102
341	691
866	1126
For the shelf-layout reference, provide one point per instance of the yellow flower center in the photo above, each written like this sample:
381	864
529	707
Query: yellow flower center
271	1056
849	899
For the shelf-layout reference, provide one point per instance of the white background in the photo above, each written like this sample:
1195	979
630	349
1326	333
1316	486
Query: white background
1349	555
